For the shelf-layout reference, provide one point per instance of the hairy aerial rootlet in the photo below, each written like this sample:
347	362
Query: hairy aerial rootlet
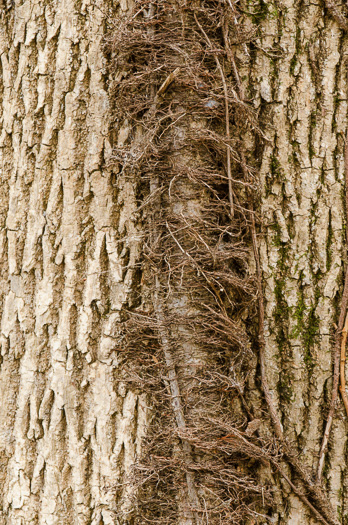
190	142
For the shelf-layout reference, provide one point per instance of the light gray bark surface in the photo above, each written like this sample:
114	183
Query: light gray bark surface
69	432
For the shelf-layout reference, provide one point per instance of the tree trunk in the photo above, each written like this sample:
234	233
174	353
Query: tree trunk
102	346
299	83
70	430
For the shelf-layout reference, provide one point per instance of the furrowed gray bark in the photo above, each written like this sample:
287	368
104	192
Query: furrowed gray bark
69	429
298	81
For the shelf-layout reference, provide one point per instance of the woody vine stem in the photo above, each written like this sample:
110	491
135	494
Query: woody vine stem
340	342
187	157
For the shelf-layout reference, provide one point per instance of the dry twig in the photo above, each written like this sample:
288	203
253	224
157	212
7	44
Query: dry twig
227	117
342	365
338	338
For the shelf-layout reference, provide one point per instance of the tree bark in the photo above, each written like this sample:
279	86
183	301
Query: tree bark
72	425
299	84
69	429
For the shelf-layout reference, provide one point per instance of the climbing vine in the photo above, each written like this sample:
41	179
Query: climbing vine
193	338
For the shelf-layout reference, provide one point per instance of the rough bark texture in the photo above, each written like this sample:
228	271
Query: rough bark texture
70	429
299	83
